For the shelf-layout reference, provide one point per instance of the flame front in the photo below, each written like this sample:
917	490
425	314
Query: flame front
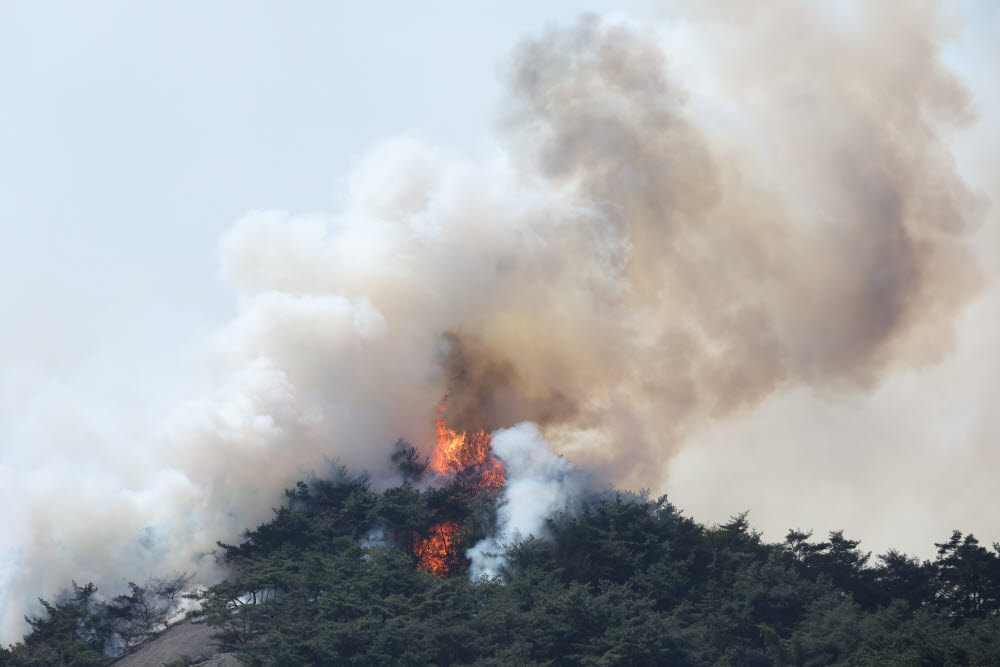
471	456
437	552
469	461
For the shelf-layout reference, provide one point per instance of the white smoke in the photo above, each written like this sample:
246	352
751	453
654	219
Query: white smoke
540	483
138	467
652	256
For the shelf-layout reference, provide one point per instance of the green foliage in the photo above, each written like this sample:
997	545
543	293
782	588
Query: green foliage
968	577
82	630
73	633
622	580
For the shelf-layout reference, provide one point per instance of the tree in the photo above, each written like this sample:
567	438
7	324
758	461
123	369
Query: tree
968	577
72	632
900	577
145	610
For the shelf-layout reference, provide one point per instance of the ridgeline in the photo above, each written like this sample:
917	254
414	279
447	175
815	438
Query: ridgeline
621	580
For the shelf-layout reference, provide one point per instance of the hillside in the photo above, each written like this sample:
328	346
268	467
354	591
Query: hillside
186	642
620	579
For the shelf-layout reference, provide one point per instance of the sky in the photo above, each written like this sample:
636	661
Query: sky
134	138
134	135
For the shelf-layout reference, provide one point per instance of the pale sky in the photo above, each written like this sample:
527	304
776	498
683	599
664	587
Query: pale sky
134	135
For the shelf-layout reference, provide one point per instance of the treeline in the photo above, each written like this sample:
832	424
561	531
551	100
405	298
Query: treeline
83	630
624	580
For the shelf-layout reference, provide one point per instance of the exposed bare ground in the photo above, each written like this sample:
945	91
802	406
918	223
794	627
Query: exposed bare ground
184	641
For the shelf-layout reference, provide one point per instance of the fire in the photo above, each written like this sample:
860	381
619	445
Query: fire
469	460
437	552
470	456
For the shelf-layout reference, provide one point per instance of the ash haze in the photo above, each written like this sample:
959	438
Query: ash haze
743	255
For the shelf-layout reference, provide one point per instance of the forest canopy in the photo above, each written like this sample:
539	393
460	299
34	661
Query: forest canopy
621	579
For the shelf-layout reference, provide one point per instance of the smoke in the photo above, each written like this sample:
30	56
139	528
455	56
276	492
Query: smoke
816	239
687	224
539	484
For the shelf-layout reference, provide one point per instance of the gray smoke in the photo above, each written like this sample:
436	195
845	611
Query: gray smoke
688	224
817	239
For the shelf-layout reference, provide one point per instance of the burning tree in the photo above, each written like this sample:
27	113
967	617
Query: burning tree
473	475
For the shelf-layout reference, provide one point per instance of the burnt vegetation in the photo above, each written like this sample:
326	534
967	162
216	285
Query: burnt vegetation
622	580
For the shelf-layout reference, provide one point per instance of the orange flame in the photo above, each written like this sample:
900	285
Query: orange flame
468	458
437	552
457	453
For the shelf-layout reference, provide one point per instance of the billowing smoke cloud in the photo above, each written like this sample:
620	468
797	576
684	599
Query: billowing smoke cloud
539	485
675	234
813	237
